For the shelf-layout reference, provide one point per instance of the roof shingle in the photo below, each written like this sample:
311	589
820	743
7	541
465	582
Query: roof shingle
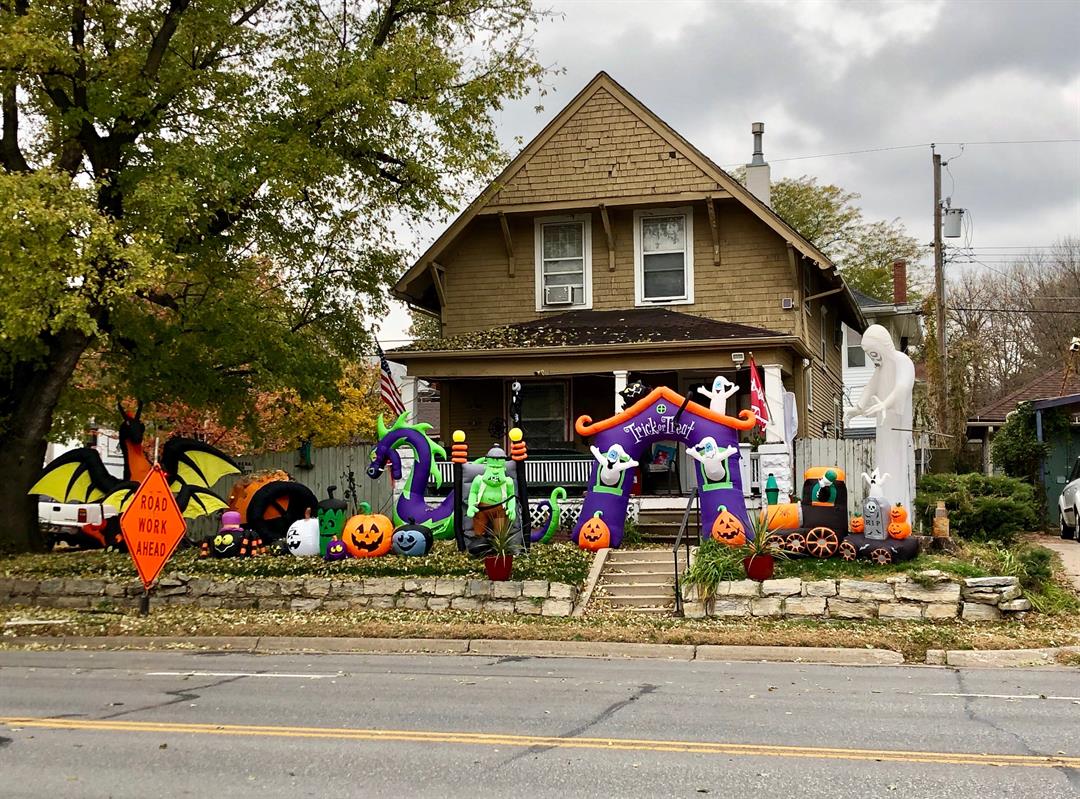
588	327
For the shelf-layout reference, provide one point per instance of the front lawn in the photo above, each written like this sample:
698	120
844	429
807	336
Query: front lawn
560	562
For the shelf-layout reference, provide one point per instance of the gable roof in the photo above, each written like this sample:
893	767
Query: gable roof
605	83
586	328
1047	385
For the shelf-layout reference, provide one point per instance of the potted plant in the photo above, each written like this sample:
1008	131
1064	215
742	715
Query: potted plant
762	551
499	562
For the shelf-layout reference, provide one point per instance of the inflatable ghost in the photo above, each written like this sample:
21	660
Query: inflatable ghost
722	389
887	397
302	537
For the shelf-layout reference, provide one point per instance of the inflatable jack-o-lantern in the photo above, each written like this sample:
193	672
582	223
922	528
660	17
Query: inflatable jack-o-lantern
368	535
858	524
335	550
595	533
897	513
411	540
898	530
727	529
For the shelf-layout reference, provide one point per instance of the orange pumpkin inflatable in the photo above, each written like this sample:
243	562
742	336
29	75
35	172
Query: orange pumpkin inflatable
368	535
247	486
595	534
898	530
858	524
727	529
786	516
897	513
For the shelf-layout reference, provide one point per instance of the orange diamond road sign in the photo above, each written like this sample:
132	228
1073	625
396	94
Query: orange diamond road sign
152	525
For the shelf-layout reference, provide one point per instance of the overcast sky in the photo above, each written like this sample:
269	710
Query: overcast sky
831	78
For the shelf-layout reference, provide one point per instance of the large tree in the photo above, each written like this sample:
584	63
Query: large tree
865	251
199	196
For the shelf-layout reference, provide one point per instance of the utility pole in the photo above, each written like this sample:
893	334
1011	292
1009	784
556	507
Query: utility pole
939	292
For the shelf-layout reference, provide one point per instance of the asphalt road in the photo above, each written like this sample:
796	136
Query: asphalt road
146	724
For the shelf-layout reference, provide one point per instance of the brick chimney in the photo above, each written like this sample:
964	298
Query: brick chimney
899	282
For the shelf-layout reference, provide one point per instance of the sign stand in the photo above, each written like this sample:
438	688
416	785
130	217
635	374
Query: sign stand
153	527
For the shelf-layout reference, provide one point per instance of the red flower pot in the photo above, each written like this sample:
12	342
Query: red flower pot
498	567
758	567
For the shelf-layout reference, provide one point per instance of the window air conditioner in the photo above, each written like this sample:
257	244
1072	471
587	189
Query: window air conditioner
558	295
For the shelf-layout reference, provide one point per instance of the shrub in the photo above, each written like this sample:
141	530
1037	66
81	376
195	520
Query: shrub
714	563
981	508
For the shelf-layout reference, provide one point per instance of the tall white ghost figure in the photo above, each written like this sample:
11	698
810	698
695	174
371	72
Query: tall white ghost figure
887	397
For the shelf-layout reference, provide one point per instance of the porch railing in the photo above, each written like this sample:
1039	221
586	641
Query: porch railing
569	473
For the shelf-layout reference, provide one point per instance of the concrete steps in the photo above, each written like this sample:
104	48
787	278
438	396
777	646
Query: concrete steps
639	580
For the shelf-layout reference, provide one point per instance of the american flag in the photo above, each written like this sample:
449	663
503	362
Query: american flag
387	387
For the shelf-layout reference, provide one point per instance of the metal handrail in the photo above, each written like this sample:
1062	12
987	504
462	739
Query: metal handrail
691	503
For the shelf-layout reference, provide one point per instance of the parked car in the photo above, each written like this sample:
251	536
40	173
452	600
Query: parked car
1069	503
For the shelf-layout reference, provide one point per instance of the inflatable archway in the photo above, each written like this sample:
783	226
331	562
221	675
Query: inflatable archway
711	438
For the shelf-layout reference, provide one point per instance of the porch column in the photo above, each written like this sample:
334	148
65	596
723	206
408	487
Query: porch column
775	454
774	396
620	384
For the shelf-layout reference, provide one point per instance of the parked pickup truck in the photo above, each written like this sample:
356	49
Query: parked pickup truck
1069	503
76	523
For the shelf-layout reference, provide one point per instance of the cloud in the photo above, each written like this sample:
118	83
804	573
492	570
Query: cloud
833	78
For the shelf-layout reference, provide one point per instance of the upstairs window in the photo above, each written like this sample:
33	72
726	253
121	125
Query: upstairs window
855	355
563	262
664	256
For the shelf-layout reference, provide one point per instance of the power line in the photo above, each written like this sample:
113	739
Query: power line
1015	310
916	146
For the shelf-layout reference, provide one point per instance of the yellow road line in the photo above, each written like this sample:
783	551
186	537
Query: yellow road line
499	739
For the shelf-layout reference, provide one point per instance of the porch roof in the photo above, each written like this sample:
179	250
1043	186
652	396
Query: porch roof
587	328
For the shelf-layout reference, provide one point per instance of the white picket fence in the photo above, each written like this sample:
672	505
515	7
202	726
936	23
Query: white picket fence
854	456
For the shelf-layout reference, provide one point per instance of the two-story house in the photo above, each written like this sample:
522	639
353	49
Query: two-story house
611	250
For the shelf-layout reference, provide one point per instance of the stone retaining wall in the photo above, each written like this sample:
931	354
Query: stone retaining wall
927	595
530	597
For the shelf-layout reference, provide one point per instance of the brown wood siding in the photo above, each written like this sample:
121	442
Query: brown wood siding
603	151
827	389
470	405
747	287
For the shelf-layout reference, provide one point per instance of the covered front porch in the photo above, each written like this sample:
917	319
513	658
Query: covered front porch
544	388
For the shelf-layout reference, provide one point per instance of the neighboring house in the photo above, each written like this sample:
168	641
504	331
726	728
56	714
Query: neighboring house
611	250
1047	387
901	319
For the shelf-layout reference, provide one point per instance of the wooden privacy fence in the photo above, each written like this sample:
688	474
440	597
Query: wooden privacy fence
853	455
344	467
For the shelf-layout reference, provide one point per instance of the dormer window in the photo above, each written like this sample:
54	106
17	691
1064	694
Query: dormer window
664	256
563	262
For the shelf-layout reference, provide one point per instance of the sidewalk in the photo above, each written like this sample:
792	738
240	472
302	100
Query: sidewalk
841	656
1070	557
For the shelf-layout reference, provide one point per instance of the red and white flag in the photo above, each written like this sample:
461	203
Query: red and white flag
757	395
387	387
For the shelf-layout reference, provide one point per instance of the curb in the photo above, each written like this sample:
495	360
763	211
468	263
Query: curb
835	656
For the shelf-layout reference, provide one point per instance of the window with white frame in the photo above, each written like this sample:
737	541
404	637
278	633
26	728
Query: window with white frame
563	262
856	356
664	255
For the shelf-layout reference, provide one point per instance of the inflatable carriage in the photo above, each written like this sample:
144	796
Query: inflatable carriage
411	508
882	533
620	442
817	526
